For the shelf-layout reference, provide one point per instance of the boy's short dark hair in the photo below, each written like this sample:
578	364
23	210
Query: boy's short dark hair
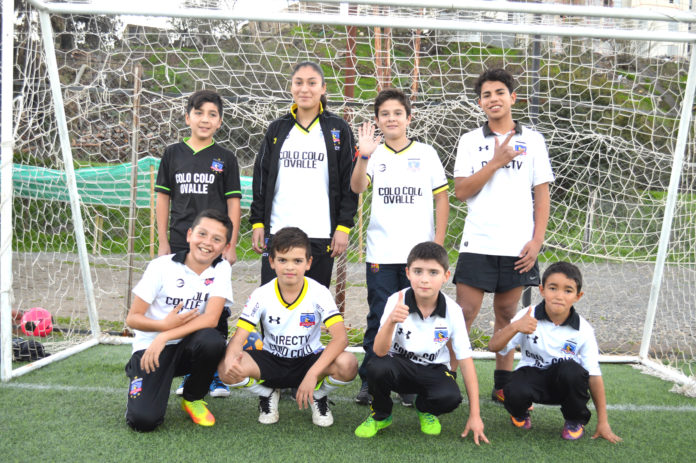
429	250
288	238
392	94
196	100
495	75
215	215
567	269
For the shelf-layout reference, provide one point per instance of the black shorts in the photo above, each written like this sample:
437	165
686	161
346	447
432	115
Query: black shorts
493	274
281	372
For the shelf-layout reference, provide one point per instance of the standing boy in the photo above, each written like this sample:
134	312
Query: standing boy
290	309
177	305
560	358
406	177
411	350
194	175
503	172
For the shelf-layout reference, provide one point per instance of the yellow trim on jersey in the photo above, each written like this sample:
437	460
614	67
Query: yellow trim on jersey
297	301
369	179
343	229
293	111
245	325
392	150
256	225
444	187
332	320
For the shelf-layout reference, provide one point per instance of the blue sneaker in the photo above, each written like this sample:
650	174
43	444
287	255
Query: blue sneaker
218	388
180	389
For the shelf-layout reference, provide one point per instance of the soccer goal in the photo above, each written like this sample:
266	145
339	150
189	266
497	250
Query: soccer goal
98	91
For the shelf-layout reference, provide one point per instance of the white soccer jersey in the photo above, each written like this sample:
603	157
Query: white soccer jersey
424	341
500	217
301	196
167	281
293	329
403	185
574	340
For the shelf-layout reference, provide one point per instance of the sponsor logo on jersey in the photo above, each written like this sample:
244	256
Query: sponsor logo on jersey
484	147
217	166
382	167
179	282
441	335
569	347
414	165
307	320
318	308
136	387
208	281
521	148
336	137
275	320
401	332
255	309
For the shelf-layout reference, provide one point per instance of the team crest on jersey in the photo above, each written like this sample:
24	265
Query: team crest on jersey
217	166
441	335
521	148
336	137
374	268
414	165
136	387
307	320
569	347
208	281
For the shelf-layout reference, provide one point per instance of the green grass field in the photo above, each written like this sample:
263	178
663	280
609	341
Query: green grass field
74	411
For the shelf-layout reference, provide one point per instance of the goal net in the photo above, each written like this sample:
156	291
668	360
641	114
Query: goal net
608	102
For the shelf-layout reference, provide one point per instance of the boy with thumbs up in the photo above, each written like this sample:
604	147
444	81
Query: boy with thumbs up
411	354
560	358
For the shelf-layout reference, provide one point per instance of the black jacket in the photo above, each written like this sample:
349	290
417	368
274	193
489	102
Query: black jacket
343	203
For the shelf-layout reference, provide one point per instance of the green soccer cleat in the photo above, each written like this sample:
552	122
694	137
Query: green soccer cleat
198	412
370	426
430	425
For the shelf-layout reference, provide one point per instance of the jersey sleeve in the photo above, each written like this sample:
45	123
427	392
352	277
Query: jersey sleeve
518	338
542	165
589	354
233	188
462	165
163	184
222	284
150	283
330	314
438	179
460	337
252	311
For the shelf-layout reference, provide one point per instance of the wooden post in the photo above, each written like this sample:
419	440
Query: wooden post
132	210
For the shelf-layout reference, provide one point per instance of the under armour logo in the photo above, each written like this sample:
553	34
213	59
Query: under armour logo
481	148
275	320
401	331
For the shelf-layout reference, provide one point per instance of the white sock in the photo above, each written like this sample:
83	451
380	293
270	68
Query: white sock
254	386
327	385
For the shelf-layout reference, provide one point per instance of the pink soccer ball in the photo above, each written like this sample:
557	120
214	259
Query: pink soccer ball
37	322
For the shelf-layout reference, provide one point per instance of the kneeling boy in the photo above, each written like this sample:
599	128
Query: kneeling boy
560	358
411	350
291	309
177	305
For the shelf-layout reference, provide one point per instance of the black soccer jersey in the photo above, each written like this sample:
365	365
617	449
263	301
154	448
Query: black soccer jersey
195	181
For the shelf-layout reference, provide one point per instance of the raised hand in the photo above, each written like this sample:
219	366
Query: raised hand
367	142
503	152
528	323
400	312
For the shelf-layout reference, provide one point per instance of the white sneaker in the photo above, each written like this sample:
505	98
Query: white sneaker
180	389
321	415
268	408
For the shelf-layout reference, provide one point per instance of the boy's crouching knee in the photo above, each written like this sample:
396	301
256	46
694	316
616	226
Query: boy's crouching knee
445	401
347	366
143	422
572	373
380	368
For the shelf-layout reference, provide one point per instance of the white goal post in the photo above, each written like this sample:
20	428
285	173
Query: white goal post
95	96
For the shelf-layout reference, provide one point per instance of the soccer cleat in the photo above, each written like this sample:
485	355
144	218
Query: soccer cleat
525	423
371	426
407	399
180	389
321	415
218	388
198	412
572	430
497	395
363	397
268	408
429	423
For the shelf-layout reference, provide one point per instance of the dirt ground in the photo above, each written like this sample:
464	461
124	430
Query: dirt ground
615	301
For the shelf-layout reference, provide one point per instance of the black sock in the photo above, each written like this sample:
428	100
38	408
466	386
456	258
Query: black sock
500	378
